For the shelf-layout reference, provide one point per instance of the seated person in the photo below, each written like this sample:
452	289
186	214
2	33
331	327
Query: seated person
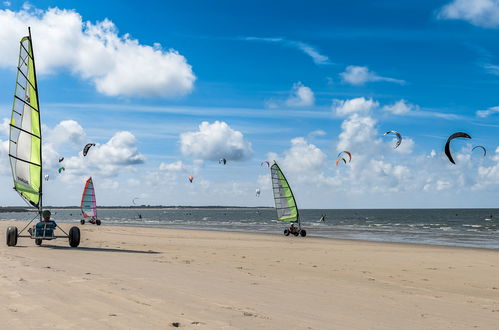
92	220
293	229
47	225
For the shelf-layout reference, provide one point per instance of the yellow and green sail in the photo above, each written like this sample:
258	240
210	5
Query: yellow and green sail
285	202
25	133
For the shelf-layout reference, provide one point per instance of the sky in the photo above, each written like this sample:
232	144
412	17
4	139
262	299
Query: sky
167	90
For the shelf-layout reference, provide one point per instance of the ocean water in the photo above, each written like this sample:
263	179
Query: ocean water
454	227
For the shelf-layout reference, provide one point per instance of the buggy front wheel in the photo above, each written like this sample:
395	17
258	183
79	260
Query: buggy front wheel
74	237
11	236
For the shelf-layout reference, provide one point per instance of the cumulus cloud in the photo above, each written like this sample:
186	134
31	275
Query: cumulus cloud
107	159
303	156
358	105
400	107
215	141
359	75
309	50
483	13
67	131
488	112
301	96
116	65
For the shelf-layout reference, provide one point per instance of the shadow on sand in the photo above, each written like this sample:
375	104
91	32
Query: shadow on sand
84	248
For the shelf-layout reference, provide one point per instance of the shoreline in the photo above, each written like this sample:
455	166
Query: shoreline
249	231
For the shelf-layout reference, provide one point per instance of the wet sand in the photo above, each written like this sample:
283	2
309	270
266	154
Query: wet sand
129	277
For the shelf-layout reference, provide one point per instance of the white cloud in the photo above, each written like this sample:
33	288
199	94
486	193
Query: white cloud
7	3
116	65
357	105
359	75
488	112
400	107
215	141
5	127
483	13
492	69
67	131
301	96
303	157
317	132
311	51
107	159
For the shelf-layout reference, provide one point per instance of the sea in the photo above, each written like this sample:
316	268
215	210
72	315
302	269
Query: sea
477	228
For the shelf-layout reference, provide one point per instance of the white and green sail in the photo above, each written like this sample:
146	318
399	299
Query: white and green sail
285	202
25	144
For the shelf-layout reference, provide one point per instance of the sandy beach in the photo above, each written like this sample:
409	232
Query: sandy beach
130	277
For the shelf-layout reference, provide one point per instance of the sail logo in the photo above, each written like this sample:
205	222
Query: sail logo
23	180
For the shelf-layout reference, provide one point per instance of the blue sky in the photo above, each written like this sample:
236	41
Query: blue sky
291	81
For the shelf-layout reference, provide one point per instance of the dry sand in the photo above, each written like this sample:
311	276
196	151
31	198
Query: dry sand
127	277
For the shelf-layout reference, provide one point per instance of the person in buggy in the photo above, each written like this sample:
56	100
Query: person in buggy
294	229
44	228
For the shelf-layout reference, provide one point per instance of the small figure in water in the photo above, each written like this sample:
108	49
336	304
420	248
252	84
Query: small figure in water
323	218
140	216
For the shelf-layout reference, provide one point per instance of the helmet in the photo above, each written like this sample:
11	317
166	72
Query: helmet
46	214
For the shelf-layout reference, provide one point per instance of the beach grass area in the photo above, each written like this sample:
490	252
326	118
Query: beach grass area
134	277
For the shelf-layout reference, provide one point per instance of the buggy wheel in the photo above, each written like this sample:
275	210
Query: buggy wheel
38	241
74	237
82	221
97	222
286	232
11	236
303	233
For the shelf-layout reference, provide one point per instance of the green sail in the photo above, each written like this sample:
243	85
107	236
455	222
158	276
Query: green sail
285	202
25	133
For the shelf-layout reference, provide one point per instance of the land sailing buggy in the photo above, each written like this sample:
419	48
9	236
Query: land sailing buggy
25	151
43	230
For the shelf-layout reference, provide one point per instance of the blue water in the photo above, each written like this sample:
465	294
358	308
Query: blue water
455	227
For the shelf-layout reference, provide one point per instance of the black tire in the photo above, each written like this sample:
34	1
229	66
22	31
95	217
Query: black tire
11	236
286	232
303	233
82	221
38	241
97	222
74	237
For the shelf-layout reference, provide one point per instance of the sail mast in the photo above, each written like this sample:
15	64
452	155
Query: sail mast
40	204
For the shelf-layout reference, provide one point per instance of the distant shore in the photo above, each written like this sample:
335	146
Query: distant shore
151	207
